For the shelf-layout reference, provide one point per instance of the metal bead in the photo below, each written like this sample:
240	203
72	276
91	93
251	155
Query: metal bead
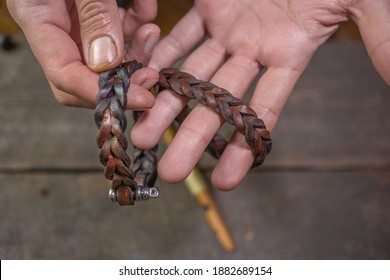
144	193
112	195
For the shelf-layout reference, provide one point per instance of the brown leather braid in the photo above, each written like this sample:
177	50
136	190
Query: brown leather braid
135	182
224	103
111	120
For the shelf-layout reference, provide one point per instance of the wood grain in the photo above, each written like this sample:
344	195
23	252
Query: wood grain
323	193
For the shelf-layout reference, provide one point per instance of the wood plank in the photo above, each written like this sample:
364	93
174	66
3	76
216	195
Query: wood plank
337	118
322	194
337	115
273	215
38	132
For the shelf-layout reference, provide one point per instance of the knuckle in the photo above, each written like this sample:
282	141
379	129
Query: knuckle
171	103
62	98
94	15
174	42
194	136
146	10
60	93
26	13
267	114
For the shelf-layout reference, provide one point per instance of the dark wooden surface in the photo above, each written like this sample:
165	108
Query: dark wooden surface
323	193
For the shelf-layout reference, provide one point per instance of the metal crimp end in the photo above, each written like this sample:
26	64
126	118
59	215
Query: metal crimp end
144	193
139	194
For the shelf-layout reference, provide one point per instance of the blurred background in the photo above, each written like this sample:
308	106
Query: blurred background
323	192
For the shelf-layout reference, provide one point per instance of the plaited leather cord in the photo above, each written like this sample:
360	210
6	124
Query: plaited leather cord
111	120
224	103
132	182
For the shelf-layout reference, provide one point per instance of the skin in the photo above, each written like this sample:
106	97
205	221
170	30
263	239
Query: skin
226	41
60	34
245	36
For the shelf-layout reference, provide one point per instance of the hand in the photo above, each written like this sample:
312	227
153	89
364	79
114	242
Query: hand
243	37
72	40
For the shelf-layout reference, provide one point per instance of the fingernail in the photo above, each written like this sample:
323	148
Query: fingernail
102	52
150	43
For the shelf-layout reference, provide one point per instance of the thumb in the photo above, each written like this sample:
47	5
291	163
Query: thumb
101	33
374	26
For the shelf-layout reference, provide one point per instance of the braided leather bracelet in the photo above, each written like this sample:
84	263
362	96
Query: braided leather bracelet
135	182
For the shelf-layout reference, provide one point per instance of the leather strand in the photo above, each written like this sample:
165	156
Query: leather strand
134	180
111	122
224	103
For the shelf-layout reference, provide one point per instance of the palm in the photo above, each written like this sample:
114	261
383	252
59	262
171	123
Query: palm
273	33
239	38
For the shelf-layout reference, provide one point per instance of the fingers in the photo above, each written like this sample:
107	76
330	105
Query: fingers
72	82
101	33
66	77
143	43
56	51
369	16
183	37
201	125
138	95
141	12
202	63
271	93
67	99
